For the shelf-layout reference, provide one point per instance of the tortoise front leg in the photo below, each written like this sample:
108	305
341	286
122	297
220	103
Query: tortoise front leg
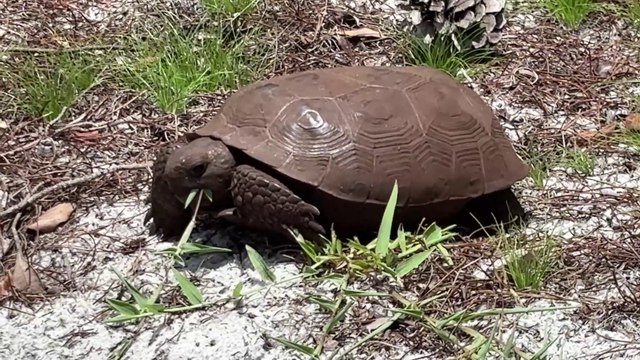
167	212
264	203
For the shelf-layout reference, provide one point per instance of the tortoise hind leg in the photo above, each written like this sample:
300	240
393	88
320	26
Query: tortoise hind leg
490	212
264	203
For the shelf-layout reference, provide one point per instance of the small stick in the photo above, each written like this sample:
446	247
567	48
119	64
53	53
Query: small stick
7	244
70	183
16	237
22	148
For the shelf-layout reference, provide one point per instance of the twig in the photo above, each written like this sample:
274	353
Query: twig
16	237
70	183
22	148
64	50
321	20
7	244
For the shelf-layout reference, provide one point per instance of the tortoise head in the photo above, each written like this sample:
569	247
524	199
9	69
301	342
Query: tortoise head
203	163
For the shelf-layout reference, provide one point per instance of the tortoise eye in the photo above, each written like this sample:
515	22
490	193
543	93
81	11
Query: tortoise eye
198	170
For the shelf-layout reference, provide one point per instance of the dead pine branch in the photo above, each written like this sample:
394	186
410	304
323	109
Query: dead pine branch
73	182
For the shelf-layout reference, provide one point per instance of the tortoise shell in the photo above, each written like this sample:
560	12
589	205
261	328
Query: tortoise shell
350	132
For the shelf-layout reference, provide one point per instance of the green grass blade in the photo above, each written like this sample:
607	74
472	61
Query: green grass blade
443	251
260	265
140	299
209	194
189	290
307	350
339	316
307	247
186	233
324	302
125	318
193	248
402	238
124	308
412	263
190	198
362	293
154	308
384	232
237	290
540	354
416	313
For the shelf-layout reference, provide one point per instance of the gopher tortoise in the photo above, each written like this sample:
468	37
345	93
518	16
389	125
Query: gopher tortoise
322	148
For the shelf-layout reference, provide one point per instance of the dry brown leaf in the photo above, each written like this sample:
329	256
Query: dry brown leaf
376	323
85	136
632	122
51	218
5	286
608	129
605	130
361	32
24	278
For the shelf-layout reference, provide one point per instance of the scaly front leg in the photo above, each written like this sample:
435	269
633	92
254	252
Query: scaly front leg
264	203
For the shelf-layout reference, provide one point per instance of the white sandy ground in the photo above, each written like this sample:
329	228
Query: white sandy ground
67	327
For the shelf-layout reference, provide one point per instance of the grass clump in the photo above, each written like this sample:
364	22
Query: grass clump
528	261
538	173
540	163
629	138
218	8
570	12
50	83
451	54
581	161
393	257
178	64
530	269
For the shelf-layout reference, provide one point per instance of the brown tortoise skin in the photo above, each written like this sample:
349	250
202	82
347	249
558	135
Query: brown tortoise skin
264	203
339	138
255	199
166	210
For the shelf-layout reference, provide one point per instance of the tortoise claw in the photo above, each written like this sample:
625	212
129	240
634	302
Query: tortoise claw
315	226
309	209
229	214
